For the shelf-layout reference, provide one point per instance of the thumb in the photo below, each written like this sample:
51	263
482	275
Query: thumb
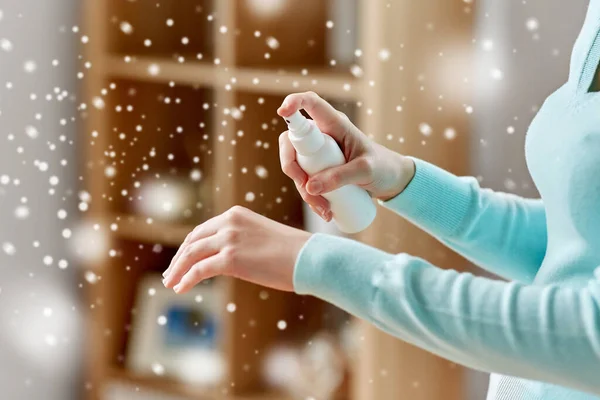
354	172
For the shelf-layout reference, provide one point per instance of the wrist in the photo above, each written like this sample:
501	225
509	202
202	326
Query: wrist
406	173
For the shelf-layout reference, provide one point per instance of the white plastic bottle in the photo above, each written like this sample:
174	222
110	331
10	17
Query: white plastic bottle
352	207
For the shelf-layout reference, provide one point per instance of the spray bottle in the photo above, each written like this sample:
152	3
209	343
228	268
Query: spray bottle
352	207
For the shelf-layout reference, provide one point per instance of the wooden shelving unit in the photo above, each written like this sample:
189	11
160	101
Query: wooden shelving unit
175	96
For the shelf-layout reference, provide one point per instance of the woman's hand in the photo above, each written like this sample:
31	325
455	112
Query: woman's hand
375	168
241	244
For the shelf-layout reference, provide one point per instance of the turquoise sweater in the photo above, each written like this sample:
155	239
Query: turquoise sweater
539	333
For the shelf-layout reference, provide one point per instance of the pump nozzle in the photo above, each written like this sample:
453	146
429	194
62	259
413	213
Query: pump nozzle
304	134
298	124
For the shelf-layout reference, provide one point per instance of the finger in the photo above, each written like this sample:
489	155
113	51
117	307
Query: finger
291	168
324	114
206	229
328	214
177	255
287	157
357	171
318	203
193	253
202	270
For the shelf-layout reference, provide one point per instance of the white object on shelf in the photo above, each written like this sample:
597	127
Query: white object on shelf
282	369
200	367
166	199
352	207
267	8
304	372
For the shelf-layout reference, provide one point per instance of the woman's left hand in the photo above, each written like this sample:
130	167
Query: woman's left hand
241	244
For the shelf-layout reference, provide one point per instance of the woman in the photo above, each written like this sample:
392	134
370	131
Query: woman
542	327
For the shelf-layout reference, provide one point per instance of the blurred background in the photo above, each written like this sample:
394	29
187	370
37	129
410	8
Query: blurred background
125	123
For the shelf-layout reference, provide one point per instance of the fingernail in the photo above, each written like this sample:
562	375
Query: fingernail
169	281
314	187
176	288
164	281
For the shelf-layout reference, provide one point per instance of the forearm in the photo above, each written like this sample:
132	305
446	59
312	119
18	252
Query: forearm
488	325
502	233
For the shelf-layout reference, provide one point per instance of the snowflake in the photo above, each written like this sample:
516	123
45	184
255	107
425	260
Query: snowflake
9	248
250	197
6	45
273	43
126	28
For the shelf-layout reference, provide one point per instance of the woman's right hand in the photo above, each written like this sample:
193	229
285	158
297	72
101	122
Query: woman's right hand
371	166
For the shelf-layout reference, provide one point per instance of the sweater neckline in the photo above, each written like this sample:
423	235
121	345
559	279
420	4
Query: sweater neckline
586	54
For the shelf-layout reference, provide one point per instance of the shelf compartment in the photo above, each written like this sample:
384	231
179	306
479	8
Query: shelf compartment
117	288
254	329
255	167
174	28
159	150
296	35
341	85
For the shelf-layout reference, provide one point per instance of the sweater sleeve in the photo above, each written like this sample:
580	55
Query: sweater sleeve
542	333
502	233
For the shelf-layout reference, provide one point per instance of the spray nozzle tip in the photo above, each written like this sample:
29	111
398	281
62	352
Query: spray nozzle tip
296	120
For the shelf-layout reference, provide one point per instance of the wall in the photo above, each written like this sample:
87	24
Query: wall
40	335
533	63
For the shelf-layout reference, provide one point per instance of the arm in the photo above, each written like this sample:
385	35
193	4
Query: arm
502	233
543	333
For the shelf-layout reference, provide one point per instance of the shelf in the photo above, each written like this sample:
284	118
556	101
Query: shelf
165	385
328	84
150	69
131	227
175	388
342	86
